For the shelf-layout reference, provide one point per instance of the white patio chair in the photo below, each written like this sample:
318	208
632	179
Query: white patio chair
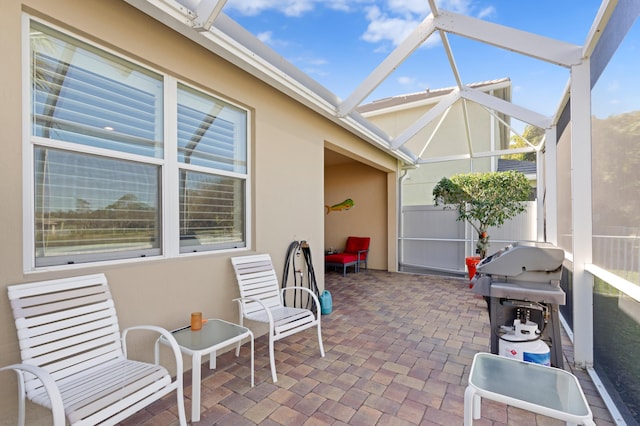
262	300
74	358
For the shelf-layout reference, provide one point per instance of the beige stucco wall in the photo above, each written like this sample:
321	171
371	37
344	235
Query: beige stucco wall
367	187
287	143
371	181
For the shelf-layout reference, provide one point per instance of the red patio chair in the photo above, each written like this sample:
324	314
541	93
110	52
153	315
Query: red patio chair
355	253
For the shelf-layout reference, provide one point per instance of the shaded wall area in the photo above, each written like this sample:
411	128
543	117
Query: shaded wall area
367	188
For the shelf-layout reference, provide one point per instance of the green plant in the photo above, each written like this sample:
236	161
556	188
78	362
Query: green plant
484	199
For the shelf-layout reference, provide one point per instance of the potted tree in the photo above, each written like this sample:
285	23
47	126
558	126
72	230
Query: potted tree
484	200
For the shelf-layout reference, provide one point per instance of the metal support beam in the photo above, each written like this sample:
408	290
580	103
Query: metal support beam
435	131
507	108
495	116
548	191
390	63
171	10
452	60
536	46
467	127
426	118
206	14
443	159
484	154
494	132
581	213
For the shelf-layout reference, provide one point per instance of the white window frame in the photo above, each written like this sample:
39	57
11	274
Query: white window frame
169	191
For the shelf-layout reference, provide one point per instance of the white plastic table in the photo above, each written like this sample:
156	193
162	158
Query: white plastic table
214	335
544	390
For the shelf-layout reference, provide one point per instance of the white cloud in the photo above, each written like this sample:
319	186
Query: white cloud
459	6
421	7
292	8
287	7
394	21
317	61
413	7
389	21
383	27
406	81
266	37
411	84
311	65
316	71
487	12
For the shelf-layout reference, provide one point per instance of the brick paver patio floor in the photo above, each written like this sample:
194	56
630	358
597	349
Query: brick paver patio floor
398	352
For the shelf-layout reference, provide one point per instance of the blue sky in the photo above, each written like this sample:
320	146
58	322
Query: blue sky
340	42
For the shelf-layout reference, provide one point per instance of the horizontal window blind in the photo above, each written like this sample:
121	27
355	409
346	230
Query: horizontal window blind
94	99
205	140
85	205
211	133
211	211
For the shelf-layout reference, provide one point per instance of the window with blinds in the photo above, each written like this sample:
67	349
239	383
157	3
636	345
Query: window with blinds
98	148
211	134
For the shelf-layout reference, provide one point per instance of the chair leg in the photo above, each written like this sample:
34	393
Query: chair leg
320	341
272	359
21	399
182	417
241	322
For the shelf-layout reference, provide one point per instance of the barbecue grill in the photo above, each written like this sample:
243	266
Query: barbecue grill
522	282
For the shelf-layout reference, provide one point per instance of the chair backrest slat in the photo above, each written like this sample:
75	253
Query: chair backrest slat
22	310
44	319
39	332
35	289
66	325
71	342
257	279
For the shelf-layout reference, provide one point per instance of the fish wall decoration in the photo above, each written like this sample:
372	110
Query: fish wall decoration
345	205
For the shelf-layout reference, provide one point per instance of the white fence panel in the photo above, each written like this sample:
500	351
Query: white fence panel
432	238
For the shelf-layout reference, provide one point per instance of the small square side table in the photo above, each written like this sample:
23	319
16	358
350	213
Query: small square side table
214	335
544	390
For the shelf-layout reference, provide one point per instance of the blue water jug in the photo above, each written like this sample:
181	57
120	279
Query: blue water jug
325	303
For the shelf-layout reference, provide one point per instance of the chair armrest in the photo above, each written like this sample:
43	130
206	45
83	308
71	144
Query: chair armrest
57	406
362	251
258	301
313	295
164	334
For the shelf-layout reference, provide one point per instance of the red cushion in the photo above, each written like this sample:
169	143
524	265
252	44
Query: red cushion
355	244
341	258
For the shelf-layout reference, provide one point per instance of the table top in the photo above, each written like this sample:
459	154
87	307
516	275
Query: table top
525	381
214	333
